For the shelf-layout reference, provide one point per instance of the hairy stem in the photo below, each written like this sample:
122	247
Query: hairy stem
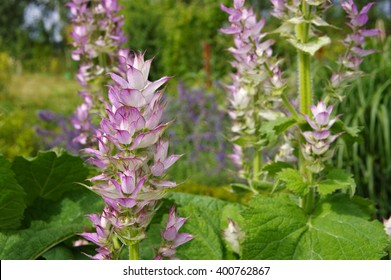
304	65
305	91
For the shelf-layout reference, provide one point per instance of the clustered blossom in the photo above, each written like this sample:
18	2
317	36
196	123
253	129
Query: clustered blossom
253	63
171	236
97	36
317	148
257	82
132	156
354	42
103	237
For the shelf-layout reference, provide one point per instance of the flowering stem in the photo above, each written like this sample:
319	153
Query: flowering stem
305	90
304	64
134	251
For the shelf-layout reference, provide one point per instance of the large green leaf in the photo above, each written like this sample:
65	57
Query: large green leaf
206	217
59	253
50	224
49	175
277	228
12	197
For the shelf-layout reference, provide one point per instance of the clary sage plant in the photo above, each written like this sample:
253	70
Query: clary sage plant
302	207
127	147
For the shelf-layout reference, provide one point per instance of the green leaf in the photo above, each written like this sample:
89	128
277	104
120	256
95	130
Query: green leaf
49	175
59	253
151	244
50	224
294	180
270	130
275	167
204	222
318	21
351	134
12	197
244	140
312	46
279	125
337	179
277	228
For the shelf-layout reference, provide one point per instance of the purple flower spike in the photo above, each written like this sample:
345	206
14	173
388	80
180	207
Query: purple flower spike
133	158
97	31
171	238
317	148
350	62
258	76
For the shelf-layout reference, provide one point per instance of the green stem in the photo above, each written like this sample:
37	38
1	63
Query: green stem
310	199
134	251
257	164
305	86
305	91
304	64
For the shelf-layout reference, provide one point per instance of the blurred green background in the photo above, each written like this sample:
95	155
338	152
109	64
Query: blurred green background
36	73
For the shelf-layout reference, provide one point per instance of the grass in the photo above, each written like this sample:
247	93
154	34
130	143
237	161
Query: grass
26	95
41	91
368	106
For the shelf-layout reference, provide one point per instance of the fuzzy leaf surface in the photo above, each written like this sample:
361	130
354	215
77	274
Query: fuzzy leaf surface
206	220
49	175
12	197
50	224
277	228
